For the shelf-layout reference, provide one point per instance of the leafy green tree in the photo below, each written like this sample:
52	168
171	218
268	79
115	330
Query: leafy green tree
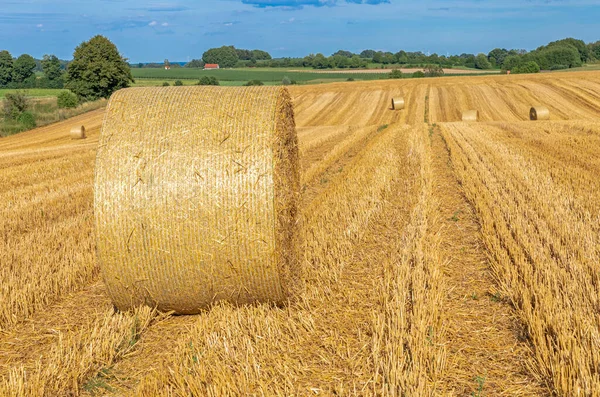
497	56
594	50
51	67
367	54
225	56
254	82
511	62
15	103
243	55
579	45
97	69
343	53
320	62
395	74
433	71
23	68
208	80
401	57
195	63
527	67
260	55
481	62
67	99
286	81
6	68
418	74
356	62
178	83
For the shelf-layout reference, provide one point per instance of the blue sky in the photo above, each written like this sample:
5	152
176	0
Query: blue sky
146	30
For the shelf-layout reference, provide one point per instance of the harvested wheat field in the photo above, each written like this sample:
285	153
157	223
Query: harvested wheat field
438	257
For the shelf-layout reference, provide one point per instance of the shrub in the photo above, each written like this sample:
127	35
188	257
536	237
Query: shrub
15	103
433	71
178	83
350	79
254	82
208	80
67	100
527	67
395	74
286	81
418	74
559	67
165	84
294	82
27	120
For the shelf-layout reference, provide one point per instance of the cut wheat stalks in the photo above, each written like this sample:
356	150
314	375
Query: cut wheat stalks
196	195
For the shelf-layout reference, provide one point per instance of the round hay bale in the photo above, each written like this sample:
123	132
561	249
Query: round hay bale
77	132
196	197
397	103
539	113
470	115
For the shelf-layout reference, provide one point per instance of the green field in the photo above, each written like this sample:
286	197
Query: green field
244	75
33	92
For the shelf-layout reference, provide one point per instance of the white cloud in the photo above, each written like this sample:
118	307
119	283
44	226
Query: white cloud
39	25
165	24
153	23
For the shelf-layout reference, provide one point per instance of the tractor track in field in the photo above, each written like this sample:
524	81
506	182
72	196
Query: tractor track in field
486	353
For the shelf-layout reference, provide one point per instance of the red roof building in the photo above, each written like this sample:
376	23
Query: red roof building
211	66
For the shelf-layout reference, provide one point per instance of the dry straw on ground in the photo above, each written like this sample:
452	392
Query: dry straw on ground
539	113
77	132
397	103
196	197
470	115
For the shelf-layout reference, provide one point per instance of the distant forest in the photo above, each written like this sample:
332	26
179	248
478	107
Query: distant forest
561	54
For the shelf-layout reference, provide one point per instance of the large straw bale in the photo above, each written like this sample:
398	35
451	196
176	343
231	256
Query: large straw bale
77	132
470	115
196	195
539	113
397	103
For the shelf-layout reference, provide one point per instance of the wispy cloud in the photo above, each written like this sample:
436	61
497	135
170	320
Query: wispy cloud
298	4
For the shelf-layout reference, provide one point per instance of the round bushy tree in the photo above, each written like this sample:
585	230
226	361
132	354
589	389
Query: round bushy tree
6	68
97	69
23	68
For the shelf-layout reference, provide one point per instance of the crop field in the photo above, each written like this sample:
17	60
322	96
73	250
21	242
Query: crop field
440	257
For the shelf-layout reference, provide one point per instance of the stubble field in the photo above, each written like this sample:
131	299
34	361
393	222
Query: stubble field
440	257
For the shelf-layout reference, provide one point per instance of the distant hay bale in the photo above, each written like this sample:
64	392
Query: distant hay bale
470	115
77	132
539	113
196	195
397	103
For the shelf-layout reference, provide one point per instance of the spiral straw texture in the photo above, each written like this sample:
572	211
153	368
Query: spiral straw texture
196	196
539	113
397	103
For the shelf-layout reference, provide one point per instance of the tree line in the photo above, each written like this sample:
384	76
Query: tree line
561	54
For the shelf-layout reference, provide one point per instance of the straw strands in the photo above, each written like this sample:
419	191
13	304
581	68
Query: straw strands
398	103
397	296
470	115
539	113
196	197
77	132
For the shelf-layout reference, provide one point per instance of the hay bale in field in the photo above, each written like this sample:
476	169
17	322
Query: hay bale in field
539	113
196	195
77	132
397	103
470	115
